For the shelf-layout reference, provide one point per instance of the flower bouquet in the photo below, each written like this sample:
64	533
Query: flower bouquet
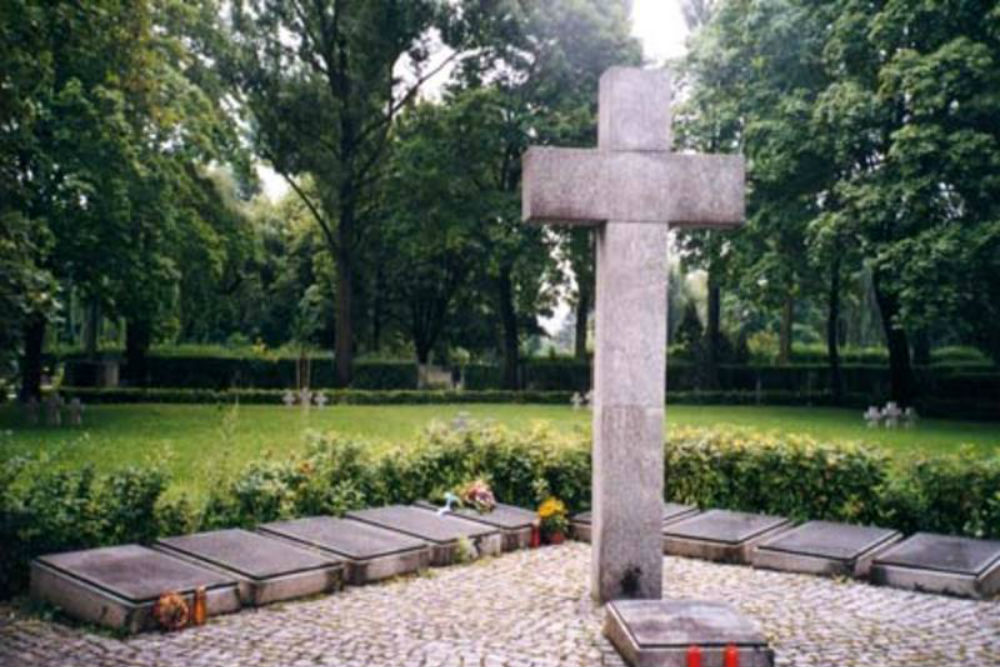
478	495
553	519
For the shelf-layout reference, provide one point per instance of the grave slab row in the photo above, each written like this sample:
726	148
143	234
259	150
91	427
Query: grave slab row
514	523
660	633
581	523
825	548
941	564
268	570
370	553
721	535
117	587
442	533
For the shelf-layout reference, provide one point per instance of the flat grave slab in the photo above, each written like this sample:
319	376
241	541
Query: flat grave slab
370	553
825	547
721	535
118	586
580	523
941	564
513	522
442	533
660	633
268	570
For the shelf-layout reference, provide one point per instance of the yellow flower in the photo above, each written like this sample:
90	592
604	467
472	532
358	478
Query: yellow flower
551	507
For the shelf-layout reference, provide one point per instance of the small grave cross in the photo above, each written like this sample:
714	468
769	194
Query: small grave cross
75	411
577	400
288	398
305	398
53	410
31	410
891	414
631	188
320	400
873	416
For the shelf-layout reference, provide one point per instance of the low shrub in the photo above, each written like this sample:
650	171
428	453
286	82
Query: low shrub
46	510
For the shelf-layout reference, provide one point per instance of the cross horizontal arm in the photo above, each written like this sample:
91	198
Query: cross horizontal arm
587	187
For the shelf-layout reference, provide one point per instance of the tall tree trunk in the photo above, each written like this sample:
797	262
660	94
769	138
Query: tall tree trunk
583	300
344	326
508	319
903	389
713	333
31	364
377	310
833	331
91	328
922	348
785	343
138	335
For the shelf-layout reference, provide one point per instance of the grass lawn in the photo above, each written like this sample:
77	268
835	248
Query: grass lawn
115	435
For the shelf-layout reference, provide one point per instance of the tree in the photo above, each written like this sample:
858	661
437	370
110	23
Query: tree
321	84
915	131
430	218
535	79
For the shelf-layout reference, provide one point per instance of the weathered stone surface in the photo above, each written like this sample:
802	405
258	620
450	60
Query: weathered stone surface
531	608
268	570
370	552
631	178
572	186
659	633
580	522
635	110
442	533
721	535
824	547
628	410
118	586
512	521
941	564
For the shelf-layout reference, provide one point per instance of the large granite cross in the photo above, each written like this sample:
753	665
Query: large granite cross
632	187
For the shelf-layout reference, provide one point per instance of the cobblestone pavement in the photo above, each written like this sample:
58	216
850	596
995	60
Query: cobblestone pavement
531	608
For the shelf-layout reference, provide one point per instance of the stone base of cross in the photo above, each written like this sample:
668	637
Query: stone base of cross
631	188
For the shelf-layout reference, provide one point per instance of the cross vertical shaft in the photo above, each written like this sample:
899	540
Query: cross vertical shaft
630	358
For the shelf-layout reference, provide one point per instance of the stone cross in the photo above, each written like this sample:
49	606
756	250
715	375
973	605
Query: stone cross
76	411
53	410
631	188
288	398
31	410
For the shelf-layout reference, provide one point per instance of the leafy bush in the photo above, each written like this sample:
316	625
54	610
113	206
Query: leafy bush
46	510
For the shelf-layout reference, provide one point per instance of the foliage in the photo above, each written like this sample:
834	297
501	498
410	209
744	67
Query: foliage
872	142
44	510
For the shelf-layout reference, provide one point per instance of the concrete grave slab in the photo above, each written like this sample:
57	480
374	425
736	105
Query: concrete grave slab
370	553
581	523
941	564
721	535
117	586
659	633
513	522
268	570
824	547
442	533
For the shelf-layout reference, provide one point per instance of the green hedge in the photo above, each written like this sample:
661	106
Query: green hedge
43	509
203	372
959	380
985	409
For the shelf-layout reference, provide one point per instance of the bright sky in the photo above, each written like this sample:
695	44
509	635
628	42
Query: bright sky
659	24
